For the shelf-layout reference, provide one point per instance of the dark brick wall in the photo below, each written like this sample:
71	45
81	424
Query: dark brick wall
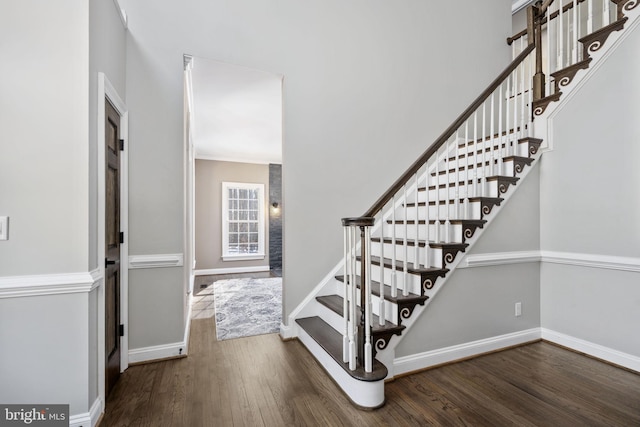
275	217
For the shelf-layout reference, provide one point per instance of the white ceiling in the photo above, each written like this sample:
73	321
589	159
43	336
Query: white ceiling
237	113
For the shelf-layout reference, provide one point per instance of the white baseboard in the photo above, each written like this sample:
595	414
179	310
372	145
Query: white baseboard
596	350
417	362
146	354
88	419
231	270
287	332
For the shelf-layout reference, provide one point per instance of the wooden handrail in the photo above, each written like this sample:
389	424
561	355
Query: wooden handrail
541	11
382	201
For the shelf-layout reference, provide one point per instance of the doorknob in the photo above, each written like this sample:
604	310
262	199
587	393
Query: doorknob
108	262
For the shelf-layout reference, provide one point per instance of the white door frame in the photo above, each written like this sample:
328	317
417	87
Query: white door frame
107	91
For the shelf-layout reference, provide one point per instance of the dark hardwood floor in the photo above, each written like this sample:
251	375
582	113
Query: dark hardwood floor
262	381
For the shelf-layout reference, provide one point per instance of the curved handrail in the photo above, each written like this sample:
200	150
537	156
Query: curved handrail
384	199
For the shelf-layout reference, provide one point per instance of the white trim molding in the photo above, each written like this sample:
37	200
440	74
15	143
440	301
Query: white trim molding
428	359
610	262
89	418
616	357
231	270
49	284
499	258
593	261
157	352
155	261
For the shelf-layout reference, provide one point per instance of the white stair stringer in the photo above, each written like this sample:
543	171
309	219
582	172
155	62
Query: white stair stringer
366	394
387	355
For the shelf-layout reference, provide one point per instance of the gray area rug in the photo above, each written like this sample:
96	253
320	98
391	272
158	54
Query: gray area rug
246	307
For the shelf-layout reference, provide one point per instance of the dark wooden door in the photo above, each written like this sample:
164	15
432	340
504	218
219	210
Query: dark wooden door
112	247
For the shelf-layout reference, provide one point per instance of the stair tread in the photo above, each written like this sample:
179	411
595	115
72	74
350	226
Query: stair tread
335	304
503	178
331	341
410	267
479	222
387	292
421	243
496	200
442	221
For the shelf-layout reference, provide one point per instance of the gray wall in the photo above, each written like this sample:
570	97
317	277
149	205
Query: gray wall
44	110
43	117
590	205
368	85
209	177
107	54
478	303
51	54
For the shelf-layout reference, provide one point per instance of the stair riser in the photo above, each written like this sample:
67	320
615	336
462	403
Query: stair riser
442	212
434	254
455	233
506	148
468	168
412	280
474	189
464	210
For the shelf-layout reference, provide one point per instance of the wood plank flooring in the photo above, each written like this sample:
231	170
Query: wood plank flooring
262	381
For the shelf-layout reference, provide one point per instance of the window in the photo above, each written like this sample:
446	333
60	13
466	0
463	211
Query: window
242	221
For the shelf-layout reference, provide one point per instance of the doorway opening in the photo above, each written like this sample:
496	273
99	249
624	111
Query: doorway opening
235	206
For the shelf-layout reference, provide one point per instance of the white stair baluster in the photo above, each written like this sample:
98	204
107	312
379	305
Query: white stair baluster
501	131
492	137
381	307
427	217
366	288
353	320
574	47
416	248
405	247
467	157
560	18
447	199
606	13
483	183
516	130
547	67
523	98
346	296
457	175
394	278
589	16
436	235
475	154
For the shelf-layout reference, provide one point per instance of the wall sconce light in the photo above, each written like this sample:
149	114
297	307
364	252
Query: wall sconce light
275	205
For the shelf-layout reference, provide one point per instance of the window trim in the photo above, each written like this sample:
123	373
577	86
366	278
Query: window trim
260	255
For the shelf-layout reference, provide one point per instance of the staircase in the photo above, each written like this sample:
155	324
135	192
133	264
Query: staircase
402	251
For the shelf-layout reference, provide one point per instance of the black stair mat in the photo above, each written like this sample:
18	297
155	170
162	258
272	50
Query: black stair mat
331	341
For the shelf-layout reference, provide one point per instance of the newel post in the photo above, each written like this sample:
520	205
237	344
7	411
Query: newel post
535	17
362	338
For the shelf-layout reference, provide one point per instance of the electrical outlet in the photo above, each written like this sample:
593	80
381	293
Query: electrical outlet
4	228
518	309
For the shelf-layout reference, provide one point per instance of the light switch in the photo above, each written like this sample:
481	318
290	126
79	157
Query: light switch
4	228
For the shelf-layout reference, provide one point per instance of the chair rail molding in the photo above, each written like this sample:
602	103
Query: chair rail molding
155	261
49	284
